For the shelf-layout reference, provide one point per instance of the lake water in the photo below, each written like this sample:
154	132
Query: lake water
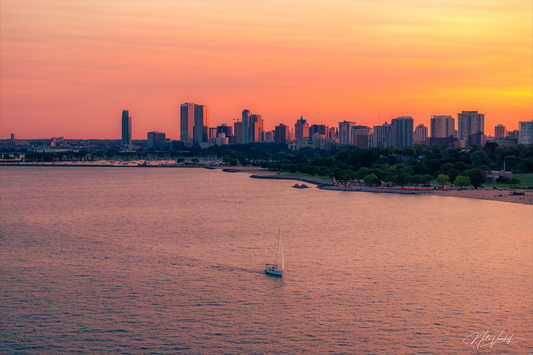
166	261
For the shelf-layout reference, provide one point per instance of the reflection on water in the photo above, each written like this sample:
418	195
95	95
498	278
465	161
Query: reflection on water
106	260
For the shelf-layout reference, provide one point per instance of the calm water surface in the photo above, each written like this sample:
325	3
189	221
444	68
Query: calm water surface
166	261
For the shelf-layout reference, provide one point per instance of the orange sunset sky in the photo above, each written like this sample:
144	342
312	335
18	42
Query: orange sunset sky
69	67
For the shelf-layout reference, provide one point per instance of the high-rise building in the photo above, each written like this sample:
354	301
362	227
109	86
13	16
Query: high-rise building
500	132
442	126
126	130
345	129
401	132
227	130
526	132
237	131
421	134
333	133
201	125
213	133
359	136
301	129
380	135
281	134
186	123
245	129
470	122
156	140
318	128
256	128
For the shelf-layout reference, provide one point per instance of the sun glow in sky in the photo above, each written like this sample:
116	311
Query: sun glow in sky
68	68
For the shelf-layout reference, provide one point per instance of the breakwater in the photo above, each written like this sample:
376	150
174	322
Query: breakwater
328	186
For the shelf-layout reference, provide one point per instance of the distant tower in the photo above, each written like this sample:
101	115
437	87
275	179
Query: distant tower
442	126
301	129
421	134
245	128
126	130
500	132
201	124
345	129
470	123
401	132
186	122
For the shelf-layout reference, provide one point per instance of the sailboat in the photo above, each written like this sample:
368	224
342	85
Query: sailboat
276	269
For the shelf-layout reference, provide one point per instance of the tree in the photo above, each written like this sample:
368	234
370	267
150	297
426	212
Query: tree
453	174
371	179
443	180
477	177
514	181
402	179
462	181
416	179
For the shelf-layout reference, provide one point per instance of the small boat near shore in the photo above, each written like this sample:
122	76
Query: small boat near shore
276	269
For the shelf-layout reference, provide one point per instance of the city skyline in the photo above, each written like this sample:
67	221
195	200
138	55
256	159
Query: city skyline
68	68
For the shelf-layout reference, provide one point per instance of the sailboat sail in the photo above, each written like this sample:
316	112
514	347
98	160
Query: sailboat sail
282	259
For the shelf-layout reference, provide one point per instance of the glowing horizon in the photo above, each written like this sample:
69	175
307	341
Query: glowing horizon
70	68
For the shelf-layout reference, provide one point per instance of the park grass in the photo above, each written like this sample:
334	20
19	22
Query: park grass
524	178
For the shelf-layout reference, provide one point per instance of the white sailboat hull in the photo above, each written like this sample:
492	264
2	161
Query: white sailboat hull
273	271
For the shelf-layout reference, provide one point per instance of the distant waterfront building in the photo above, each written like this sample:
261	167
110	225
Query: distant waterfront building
269	136
470	123
186	123
201	125
379	137
245	128
401	132
126	130
345	129
421	134
500	132
237	131
256	129
281	134
301	129
526	132
318	128
212	132
156	140
333	133
442	126
227	130
359	136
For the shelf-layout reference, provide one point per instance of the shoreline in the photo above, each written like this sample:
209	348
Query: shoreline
499	194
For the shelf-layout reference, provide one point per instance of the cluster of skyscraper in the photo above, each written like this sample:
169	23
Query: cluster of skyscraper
195	131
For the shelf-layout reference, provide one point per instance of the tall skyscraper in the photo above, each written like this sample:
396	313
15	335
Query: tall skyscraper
442	126
470	122
345	129
301	129
186	122
256	128
237	130
421	134
281	134
500	132
401	132
526	132
126	130
201	125
245	128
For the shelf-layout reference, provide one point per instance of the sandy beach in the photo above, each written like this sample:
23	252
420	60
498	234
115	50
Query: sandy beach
504	195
